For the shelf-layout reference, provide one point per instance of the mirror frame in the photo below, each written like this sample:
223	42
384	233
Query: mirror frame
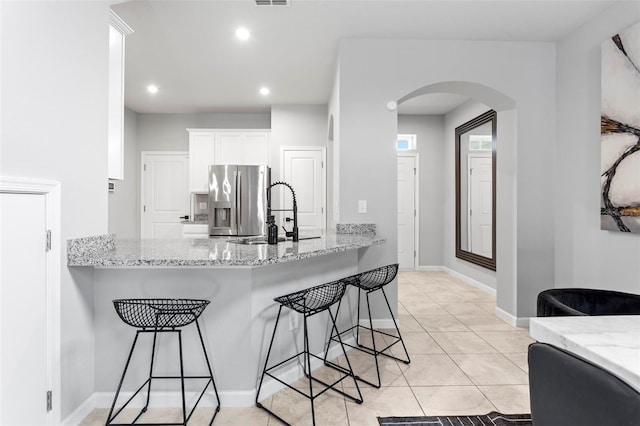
489	263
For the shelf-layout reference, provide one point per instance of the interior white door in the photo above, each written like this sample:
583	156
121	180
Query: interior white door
406	212
165	194
481	206
303	169
23	310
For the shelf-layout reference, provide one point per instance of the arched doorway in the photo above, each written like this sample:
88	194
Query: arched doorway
474	98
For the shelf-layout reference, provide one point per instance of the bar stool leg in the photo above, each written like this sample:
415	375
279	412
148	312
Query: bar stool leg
184	403
213	382
126	366
266	362
307	359
395	324
373	342
344	351
331	338
153	354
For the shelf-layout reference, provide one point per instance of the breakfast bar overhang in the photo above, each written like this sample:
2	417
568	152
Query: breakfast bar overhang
240	280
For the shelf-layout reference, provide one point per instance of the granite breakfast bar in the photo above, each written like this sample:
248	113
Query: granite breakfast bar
240	281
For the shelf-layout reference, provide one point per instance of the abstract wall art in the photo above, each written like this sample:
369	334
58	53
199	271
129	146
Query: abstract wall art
620	132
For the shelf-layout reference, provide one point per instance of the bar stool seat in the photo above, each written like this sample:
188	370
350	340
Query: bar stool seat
162	316
369	282
309	302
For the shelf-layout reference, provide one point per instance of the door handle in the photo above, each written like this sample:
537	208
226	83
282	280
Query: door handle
186	217
239	200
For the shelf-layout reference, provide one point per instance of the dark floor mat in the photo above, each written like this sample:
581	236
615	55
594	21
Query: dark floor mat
492	419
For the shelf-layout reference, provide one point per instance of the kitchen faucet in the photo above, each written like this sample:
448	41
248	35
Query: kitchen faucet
294	232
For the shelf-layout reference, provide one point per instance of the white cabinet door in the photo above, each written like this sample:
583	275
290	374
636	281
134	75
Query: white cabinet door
195	230
210	146
249	148
256	148
201	156
116	104
118	29
229	148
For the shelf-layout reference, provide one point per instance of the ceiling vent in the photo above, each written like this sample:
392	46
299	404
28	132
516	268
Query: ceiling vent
272	2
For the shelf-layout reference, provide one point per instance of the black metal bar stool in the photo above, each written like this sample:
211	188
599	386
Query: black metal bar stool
310	302
162	316
369	282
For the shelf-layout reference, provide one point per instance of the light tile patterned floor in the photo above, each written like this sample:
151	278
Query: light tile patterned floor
464	360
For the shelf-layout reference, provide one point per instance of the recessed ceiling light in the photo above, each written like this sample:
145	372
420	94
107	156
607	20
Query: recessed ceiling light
152	88
264	91
243	33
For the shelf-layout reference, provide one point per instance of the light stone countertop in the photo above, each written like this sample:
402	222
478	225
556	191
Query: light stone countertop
612	342
110	252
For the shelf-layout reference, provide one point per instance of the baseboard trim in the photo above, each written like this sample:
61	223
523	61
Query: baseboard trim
430	268
522	322
79	414
468	280
500	313
512	320
379	323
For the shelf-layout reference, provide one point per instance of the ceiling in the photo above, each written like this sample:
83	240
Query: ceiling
189	50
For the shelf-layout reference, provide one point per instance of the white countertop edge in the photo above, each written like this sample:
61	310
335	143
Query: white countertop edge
611	342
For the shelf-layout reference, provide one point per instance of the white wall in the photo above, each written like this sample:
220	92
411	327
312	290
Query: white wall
54	126
296	125
585	255
429	130
167	132
333	153
124	206
523	71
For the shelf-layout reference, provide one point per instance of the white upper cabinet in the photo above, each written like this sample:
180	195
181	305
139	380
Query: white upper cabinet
201	156
207	147
118	29
229	148
255	148
250	148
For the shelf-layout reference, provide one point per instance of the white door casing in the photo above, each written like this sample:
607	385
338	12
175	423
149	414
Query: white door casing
165	193
407	211
303	168
480	204
29	301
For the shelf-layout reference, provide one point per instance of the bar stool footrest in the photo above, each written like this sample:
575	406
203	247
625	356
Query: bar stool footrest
144	409
371	351
326	385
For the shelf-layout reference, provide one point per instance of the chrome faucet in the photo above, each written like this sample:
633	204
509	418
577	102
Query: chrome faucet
293	233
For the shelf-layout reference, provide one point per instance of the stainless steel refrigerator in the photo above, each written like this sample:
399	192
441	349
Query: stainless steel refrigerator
238	200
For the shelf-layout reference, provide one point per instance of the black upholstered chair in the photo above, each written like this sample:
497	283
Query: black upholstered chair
583	301
568	390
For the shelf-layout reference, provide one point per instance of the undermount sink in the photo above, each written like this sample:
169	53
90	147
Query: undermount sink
251	241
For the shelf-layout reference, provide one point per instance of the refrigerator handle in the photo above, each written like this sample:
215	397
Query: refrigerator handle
238	198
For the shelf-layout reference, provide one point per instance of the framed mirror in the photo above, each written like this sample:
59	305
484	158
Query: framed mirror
476	190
